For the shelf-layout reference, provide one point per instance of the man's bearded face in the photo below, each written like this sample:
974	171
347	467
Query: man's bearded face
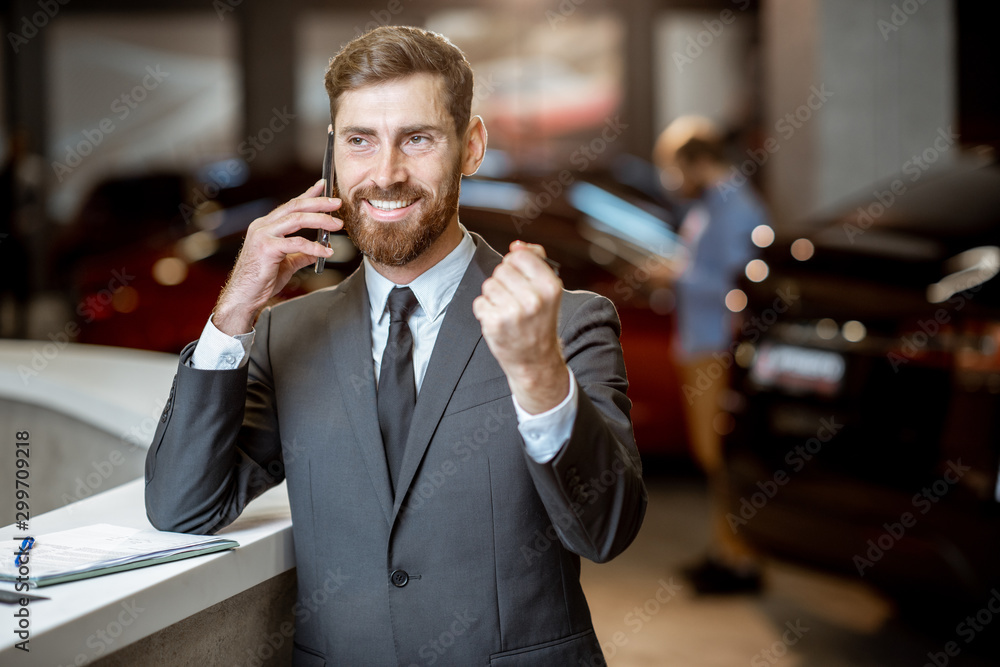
399	242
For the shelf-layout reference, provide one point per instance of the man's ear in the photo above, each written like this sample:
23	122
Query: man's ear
473	146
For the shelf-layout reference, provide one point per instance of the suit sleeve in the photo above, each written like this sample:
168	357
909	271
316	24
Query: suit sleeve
593	490
217	445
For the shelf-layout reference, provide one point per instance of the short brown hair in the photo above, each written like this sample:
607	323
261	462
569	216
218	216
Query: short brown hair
690	139
393	52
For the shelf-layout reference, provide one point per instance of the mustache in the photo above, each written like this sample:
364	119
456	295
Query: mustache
395	192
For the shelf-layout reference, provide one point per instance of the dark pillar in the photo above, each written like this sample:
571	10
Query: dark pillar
267	55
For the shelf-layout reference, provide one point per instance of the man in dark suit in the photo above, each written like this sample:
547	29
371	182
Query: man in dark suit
453	457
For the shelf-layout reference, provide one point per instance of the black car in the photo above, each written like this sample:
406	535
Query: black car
866	392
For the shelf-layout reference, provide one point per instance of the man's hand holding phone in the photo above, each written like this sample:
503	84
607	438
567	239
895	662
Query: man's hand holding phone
271	255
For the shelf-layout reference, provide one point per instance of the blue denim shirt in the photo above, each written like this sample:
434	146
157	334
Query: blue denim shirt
719	256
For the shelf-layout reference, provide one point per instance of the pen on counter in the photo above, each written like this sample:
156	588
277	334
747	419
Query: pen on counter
26	545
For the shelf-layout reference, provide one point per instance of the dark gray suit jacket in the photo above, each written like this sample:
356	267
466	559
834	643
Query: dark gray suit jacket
476	560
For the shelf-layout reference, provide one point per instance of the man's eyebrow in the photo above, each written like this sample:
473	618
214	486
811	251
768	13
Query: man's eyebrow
426	127
356	129
429	128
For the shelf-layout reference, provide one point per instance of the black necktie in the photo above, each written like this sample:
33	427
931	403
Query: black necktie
397	391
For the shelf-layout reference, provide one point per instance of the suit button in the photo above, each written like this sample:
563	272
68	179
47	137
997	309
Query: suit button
399	578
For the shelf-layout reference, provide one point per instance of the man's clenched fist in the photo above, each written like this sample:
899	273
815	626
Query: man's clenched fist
519	313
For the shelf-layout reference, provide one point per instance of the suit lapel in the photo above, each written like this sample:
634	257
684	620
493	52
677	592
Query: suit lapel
460	333
352	350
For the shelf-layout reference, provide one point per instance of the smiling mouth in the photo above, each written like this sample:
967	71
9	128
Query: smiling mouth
390	205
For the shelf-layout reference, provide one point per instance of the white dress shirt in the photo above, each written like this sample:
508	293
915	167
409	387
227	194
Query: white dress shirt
544	434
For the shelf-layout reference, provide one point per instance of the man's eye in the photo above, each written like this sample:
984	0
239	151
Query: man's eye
356	141
418	140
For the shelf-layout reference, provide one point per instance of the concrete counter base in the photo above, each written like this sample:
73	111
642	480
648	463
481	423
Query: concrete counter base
254	628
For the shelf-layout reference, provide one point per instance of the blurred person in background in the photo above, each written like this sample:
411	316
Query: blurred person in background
717	234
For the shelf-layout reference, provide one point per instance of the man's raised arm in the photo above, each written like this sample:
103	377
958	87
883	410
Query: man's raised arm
216	447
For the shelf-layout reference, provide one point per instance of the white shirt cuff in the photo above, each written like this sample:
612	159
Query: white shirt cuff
545	433
217	351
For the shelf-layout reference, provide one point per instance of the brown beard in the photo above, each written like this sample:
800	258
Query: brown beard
399	243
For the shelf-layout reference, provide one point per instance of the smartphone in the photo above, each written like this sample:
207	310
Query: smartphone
323	236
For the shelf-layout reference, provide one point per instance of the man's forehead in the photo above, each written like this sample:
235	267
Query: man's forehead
415	98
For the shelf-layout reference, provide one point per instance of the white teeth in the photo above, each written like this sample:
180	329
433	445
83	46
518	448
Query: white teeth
390	205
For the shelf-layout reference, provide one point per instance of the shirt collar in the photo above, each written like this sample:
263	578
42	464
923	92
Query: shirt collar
433	288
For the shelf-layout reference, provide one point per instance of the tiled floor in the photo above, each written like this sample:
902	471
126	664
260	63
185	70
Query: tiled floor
644	620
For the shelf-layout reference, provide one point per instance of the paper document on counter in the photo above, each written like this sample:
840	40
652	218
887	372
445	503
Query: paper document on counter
98	549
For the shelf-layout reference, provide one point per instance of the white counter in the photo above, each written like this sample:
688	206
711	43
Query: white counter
121	392
74	626
114	389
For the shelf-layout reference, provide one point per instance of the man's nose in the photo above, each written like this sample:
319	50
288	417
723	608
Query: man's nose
390	167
